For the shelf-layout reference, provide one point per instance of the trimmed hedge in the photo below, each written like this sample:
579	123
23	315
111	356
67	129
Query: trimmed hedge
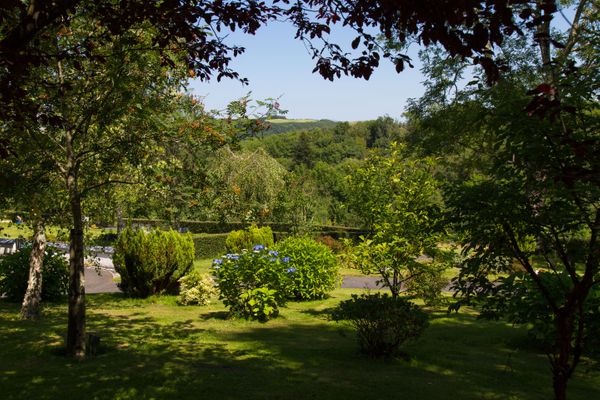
226	227
209	245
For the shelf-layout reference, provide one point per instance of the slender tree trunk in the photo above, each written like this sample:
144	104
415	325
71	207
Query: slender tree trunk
76	318
560	360
30	309
119	220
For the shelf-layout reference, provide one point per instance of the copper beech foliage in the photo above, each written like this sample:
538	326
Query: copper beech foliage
463	27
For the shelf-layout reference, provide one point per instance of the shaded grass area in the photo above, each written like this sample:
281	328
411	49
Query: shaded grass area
155	349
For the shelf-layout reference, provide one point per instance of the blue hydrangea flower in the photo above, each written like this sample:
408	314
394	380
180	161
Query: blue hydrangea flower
272	259
232	256
273	253
290	270
259	247
217	261
285	259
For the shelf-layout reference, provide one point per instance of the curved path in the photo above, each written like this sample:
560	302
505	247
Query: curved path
100	279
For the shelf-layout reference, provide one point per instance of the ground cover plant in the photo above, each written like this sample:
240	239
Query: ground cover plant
152	348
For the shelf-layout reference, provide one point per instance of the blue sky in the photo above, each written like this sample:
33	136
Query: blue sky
276	65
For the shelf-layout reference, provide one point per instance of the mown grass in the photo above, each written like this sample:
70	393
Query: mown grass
155	349
53	233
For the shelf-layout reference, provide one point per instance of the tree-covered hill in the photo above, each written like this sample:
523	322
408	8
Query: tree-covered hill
282	125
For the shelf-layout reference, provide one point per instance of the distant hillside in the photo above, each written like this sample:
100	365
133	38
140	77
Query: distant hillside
288	125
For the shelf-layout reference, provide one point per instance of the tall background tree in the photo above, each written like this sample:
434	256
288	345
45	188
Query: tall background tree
523	187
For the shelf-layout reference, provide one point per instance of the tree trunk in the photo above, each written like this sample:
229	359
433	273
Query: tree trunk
30	309
120	224
76	318
561	360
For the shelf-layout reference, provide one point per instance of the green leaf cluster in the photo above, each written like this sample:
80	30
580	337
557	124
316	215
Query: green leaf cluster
314	265
14	274
247	238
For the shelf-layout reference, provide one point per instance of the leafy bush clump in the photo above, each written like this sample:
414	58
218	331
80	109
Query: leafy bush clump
152	263
248	238
14	275
314	266
196	289
260	304
383	323
240	276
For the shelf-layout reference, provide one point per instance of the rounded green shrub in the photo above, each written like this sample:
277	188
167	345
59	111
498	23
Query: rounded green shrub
14	275
196	289
152	263
312	266
239	276
383	323
248	238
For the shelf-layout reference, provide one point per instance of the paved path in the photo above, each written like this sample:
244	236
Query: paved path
100	280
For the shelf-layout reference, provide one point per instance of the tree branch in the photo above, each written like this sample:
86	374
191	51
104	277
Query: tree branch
524	260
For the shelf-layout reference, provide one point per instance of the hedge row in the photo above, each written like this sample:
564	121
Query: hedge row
226	227
209	245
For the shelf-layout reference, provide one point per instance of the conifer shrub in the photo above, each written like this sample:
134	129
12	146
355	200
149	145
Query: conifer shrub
315	271
152	263
246	239
383	323
14	275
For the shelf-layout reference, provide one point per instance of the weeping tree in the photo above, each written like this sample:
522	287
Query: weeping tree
245	184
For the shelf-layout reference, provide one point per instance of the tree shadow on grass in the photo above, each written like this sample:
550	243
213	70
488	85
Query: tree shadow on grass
145	357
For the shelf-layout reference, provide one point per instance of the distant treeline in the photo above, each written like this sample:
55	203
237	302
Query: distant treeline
278	126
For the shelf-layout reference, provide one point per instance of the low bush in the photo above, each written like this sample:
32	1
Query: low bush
383	323
260	304
315	268
239	275
429	284
248	238
152	263
334	245
196	289
14	275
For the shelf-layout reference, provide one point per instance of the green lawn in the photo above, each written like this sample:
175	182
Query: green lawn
53	233
155	349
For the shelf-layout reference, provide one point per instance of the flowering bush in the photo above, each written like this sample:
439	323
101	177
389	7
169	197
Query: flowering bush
196	289
239	275
312	267
14	274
